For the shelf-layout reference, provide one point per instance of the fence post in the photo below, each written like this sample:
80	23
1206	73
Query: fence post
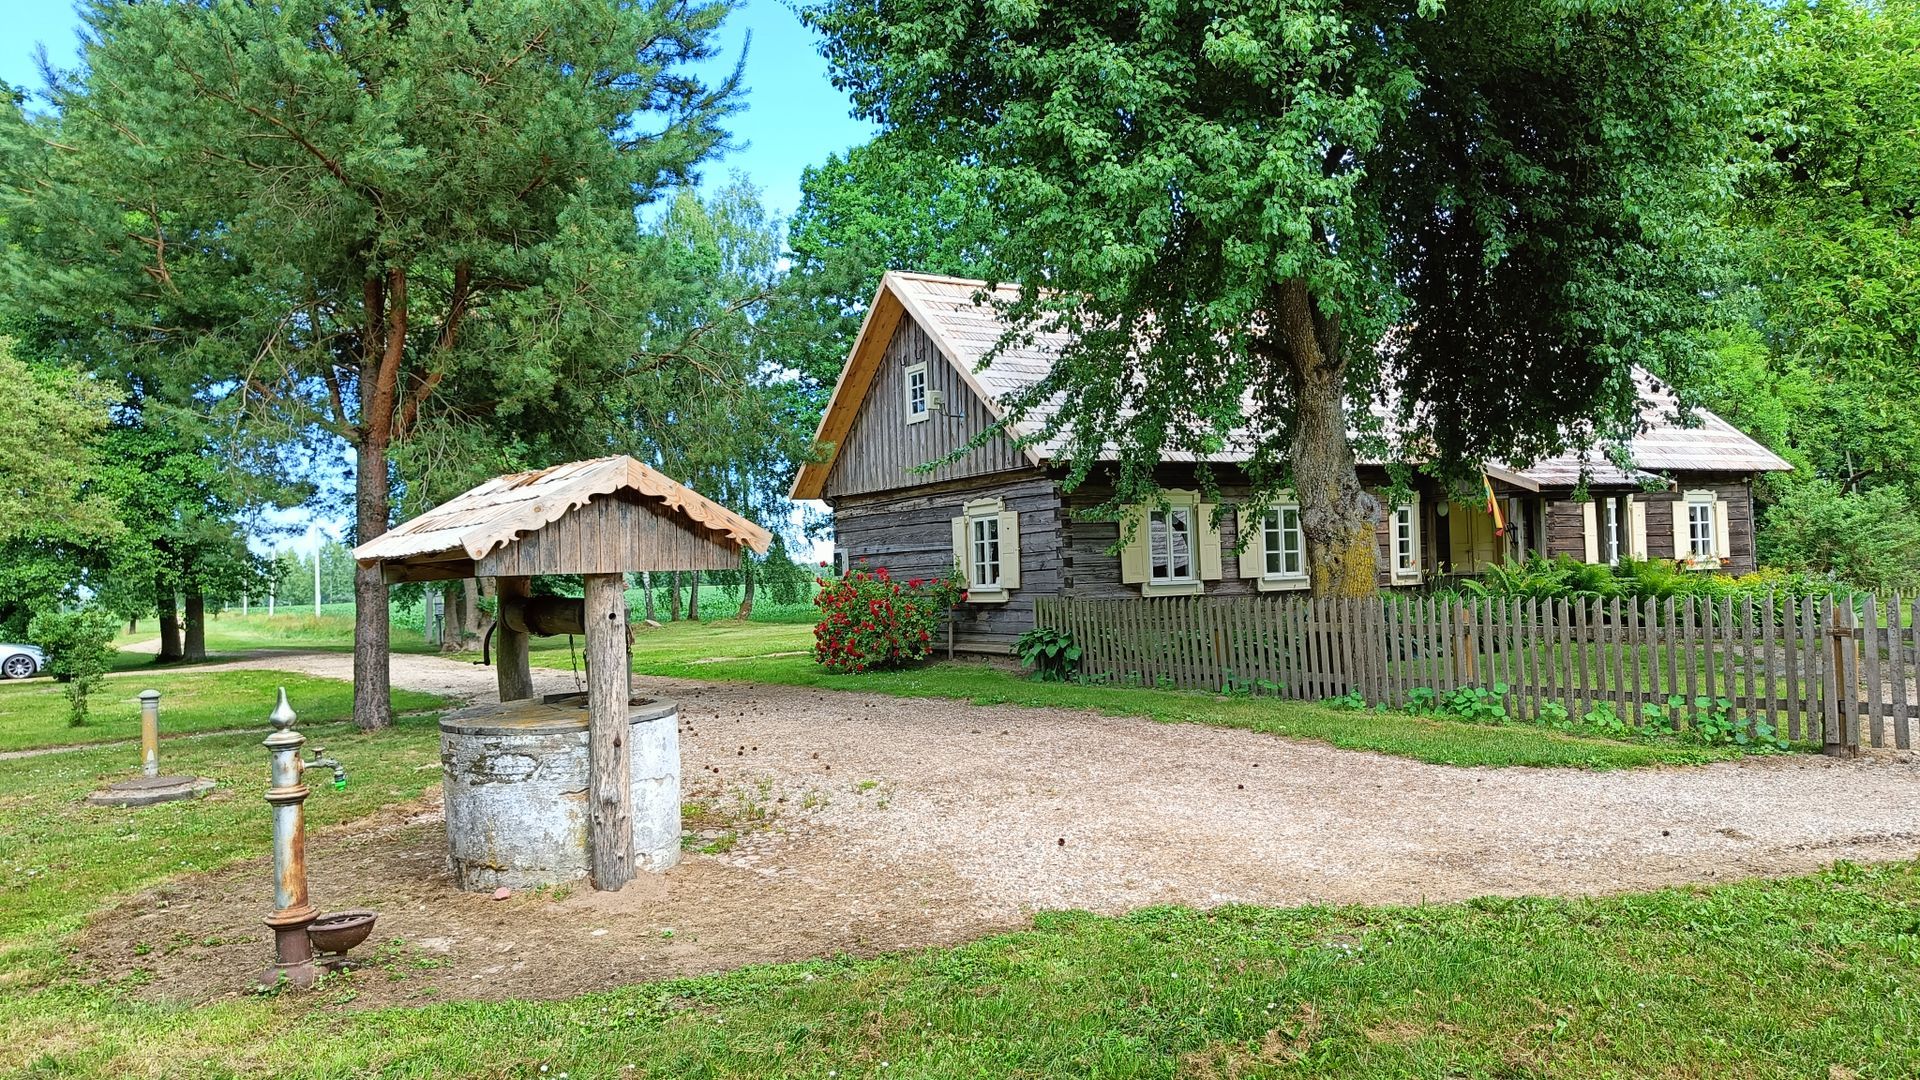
1464	648
1843	732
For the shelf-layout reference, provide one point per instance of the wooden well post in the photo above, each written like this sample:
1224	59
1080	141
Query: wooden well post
609	781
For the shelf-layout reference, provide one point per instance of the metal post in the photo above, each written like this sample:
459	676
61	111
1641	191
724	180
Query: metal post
150	732
292	911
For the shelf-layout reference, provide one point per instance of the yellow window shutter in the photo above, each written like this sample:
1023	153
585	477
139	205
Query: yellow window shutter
1133	555
1009	549
1722	538
1680	546
1590	527
960	550
1207	535
1253	553
1636	528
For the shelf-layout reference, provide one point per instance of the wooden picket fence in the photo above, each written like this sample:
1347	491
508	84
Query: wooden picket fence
1841	673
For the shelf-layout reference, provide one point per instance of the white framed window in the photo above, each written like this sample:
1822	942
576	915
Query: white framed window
983	551
1170	545
917	398
1283	544
1702	545
1406	542
986	550
1610	523
840	560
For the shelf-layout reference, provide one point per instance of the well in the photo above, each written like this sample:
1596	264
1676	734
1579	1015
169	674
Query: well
516	775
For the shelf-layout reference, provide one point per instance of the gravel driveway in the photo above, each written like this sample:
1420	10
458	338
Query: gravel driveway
897	824
1183	813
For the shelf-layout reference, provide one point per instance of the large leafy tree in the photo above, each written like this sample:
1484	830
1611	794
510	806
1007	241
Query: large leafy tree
1819	352
349	219
1252	217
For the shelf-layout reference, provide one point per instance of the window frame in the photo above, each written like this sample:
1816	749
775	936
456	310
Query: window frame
1273	526
1405	536
1188	512
1611	524
1701	525
926	393
977	521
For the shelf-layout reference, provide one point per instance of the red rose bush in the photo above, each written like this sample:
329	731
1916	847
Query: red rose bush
869	621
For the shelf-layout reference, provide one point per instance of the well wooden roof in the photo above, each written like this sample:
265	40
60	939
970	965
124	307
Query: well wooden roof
505	508
962	320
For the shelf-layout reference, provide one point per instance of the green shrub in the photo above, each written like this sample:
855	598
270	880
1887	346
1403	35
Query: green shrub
1050	654
1566	578
1869	538
79	645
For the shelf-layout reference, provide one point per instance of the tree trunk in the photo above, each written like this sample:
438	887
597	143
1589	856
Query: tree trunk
1336	513
451	619
470	624
746	587
163	602
196	642
673	596
646	586
372	680
693	598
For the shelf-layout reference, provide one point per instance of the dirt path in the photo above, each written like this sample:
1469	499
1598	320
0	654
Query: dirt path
900	823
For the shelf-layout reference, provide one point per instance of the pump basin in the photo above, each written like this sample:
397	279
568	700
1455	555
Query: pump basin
341	930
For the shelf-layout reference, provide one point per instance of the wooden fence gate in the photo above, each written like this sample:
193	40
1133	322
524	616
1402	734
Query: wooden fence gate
1841	673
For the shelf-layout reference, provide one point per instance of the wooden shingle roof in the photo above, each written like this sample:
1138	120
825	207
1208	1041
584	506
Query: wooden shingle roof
506	508
964	323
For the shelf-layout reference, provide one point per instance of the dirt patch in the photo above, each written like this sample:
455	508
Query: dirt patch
861	823
201	938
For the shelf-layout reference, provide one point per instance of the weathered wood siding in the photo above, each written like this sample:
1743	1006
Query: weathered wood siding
882	449
911	534
1093	573
1566	523
1736	490
1567	529
609	535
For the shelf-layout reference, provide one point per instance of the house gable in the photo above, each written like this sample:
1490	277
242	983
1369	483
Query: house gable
874	445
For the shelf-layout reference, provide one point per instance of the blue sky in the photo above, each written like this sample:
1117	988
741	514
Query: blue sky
793	118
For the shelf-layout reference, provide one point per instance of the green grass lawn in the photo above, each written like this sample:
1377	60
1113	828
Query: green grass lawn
34	713
770	653
230	632
60	859
1809	977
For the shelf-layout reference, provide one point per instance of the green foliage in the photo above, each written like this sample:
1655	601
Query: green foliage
1566	578
1866	538
50	444
79	646
871	622
1052	655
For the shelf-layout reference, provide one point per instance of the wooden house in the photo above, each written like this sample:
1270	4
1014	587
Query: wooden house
917	387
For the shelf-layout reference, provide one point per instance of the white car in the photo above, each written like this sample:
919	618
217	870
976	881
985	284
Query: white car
21	661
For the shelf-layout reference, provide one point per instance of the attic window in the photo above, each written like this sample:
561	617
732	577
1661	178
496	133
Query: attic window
916	393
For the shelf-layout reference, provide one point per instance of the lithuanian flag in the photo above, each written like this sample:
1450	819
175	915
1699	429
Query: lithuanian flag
1493	507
